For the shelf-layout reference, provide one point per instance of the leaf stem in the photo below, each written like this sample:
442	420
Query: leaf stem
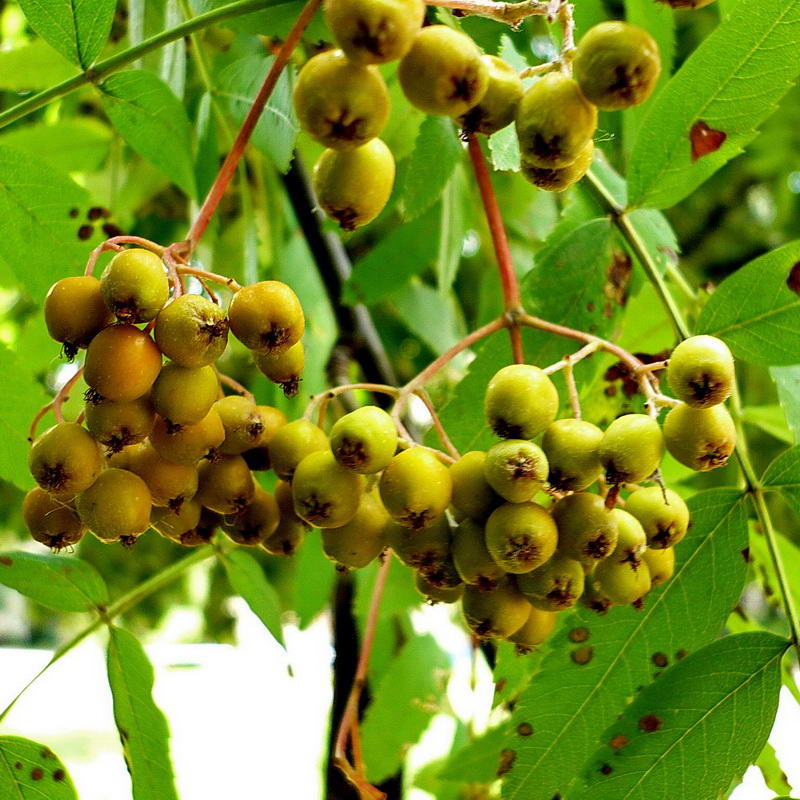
116	62
510	13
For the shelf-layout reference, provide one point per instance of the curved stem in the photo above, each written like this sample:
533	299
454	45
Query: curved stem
235	385
203	275
225	174
510	13
116	62
126	602
115	243
318	400
437	424
512	299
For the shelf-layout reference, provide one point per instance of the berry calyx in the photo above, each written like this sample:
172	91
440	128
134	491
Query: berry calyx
632	540
254	524
424	549
189	443
516	469
521	536
119	424
557	179
242	423
437	594
285	369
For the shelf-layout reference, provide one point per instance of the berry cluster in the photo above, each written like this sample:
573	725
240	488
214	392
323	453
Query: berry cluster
162	446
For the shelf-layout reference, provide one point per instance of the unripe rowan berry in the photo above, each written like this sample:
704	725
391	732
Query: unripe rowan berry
498	107
631	448
619	583
288	536
374	31
632	540
184	395
436	594
352	188
554	122
587	531
340	104
700	438
521	536
662	513
257	457
326	495
116	506
75	312
120	424
191	331
173	523
51	521
415	488
122	363
520	402
593	599
554	586
225	485
365	440
443	73
65	460
285	500
292	443
535	631
661	564
203	532
571	448
254	524
516	469
701	371
361	540
497	614
135	285
190	443
267	317
471	558
443	575
421	549
617	65
559	179
170	484
242	423
472	495
285	369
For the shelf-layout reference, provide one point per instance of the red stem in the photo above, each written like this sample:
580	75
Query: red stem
245	132
508	277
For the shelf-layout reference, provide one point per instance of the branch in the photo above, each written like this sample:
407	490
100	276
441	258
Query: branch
116	62
510	13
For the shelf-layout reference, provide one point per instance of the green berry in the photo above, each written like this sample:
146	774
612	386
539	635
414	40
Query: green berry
662	513
416	488
285	369
631	448
571	447
661	564
520	402
116	506
242	423
701	371
554	122
340	104
172	523
326	495
472	495
471	558
189	443
119	424
170	484
51	521
497	614
256	523
521	536
65	460
361	540
436	594
620	583
516	469
443	73
554	586
288	536
191	331
498	107
291	443
184	395
134	285
365	440
617	65
257	457
75	312
225	485
267	317
558	179
203	532
421	549
700	438
587	531
536	631
632	541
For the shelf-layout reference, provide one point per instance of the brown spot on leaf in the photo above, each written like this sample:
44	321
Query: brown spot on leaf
618	742
705	140
582	655
615	289
746	555
59	775
500	685
660	659
524	729
46	753
578	634
793	281
6	561
507	759
606	769
17	765
681	654
650	723
37	773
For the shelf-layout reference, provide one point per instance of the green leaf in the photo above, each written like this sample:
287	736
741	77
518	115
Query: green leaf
36	205
56	581
142	727
678	730
765	566
787	379
452	227
153	122
481	760
78	29
771	770
404	702
731	82
33	66
769	419
432	318
207	145
571	703
755	312
436	153
19	404
783	476
504	149
313	581
277	129
248	581
32	771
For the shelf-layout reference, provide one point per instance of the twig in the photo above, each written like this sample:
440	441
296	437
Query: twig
235	385
510	13
437	424
318	400
115	243
572	390
203	275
